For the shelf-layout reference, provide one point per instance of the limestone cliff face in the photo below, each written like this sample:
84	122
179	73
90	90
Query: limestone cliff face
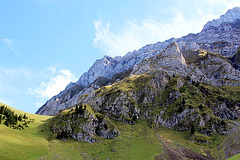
174	98
230	16
83	125
172	89
218	36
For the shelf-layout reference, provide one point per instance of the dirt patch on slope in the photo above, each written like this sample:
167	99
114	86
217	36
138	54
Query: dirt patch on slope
179	153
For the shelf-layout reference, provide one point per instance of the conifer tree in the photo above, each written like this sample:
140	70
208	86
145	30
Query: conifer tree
192	129
20	118
77	109
1	119
25	116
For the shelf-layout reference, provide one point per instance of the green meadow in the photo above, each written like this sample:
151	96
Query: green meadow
137	141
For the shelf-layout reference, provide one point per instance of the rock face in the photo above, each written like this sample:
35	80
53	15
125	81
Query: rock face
231	16
236	60
218	36
83	126
176	90
174	96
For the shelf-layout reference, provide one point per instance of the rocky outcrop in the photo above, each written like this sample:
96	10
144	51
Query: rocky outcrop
201	65
171	59
83	126
173	102
170	97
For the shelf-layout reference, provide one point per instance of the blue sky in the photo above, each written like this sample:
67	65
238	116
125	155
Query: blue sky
45	44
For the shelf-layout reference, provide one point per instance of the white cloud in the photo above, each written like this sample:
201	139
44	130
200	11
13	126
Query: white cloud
55	84
131	35
11	44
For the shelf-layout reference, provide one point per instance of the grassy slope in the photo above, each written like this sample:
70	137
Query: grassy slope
135	142
29	143
236	157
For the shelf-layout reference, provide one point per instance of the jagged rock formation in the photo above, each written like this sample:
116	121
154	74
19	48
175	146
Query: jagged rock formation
230	16
83	125
220	37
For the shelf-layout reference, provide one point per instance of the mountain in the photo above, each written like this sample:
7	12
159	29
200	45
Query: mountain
195	92
177	99
218	36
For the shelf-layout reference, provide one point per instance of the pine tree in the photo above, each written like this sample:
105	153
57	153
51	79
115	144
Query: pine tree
183	101
192	129
81	111
20	118
25	116
77	109
1	119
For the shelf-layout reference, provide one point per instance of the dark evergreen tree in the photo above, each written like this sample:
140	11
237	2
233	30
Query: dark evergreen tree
25	116
197	84
1	119
183	101
192	129
81	110
77	109
20	118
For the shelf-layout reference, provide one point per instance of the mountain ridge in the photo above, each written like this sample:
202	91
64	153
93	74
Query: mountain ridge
230	16
165	95
207	39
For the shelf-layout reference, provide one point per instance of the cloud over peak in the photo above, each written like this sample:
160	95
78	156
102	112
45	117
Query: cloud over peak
57	82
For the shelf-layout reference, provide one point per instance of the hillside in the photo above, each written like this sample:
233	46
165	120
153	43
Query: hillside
29	143
138	141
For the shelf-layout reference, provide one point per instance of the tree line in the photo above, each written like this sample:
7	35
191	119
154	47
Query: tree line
12	120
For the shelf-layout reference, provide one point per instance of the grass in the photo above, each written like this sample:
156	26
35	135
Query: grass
29	143
135	142
236	157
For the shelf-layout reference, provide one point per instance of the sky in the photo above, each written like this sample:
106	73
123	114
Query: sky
46	44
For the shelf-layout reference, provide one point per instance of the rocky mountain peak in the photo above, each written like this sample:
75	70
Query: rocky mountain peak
230	16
